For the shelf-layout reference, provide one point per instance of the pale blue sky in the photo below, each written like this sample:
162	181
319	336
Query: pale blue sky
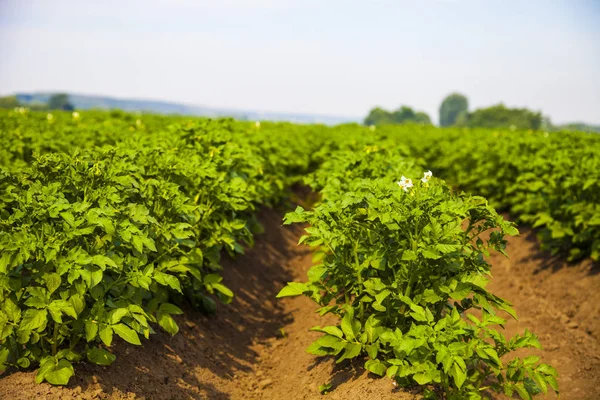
326	57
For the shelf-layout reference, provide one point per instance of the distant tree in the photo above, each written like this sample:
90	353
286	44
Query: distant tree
379	116
404	114
499	116
60	101
462	119
422	118
453	105
9	102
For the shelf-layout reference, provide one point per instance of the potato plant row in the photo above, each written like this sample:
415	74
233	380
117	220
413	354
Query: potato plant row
400	262
108	224
550	181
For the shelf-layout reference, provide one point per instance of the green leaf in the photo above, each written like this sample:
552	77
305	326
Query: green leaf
116	315
12	310
376	367
333	342
100	356
293	289
106	334
331	330
318	350
167	323
102	261
68	217
430	296
167	280
4	353
170	309
4	262
149	243
446	248
127	334
523	392
33	319
46	364
53	282
409	255
423	377
458	373
138	243
351	350
91	330
223	289
95	277
347	326
55	373
78	303
431	253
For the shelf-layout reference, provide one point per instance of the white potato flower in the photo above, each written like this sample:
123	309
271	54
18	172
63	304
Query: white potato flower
50	117
257	124
75	115
426	176
405	183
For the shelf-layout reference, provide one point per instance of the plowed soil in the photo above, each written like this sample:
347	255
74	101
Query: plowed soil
254	348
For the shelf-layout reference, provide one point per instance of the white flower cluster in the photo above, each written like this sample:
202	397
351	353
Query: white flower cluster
406	183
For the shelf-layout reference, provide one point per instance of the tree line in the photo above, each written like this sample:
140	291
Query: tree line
59	101
454	111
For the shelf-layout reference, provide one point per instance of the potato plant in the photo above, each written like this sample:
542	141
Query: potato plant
402	265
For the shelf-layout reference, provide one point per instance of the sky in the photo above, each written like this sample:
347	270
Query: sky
331	57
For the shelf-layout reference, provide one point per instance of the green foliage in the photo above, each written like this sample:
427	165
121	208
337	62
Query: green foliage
403	270
103	242
499	116
404	114
549	181
453	109
110	221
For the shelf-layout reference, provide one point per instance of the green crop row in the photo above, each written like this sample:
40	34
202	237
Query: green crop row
108	224
550	181
402	266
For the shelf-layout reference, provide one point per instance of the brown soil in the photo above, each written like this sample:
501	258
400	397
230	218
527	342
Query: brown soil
254	348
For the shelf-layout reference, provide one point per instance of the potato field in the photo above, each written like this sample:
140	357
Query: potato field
167	257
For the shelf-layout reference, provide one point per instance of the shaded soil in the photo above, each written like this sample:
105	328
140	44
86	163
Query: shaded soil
255	347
